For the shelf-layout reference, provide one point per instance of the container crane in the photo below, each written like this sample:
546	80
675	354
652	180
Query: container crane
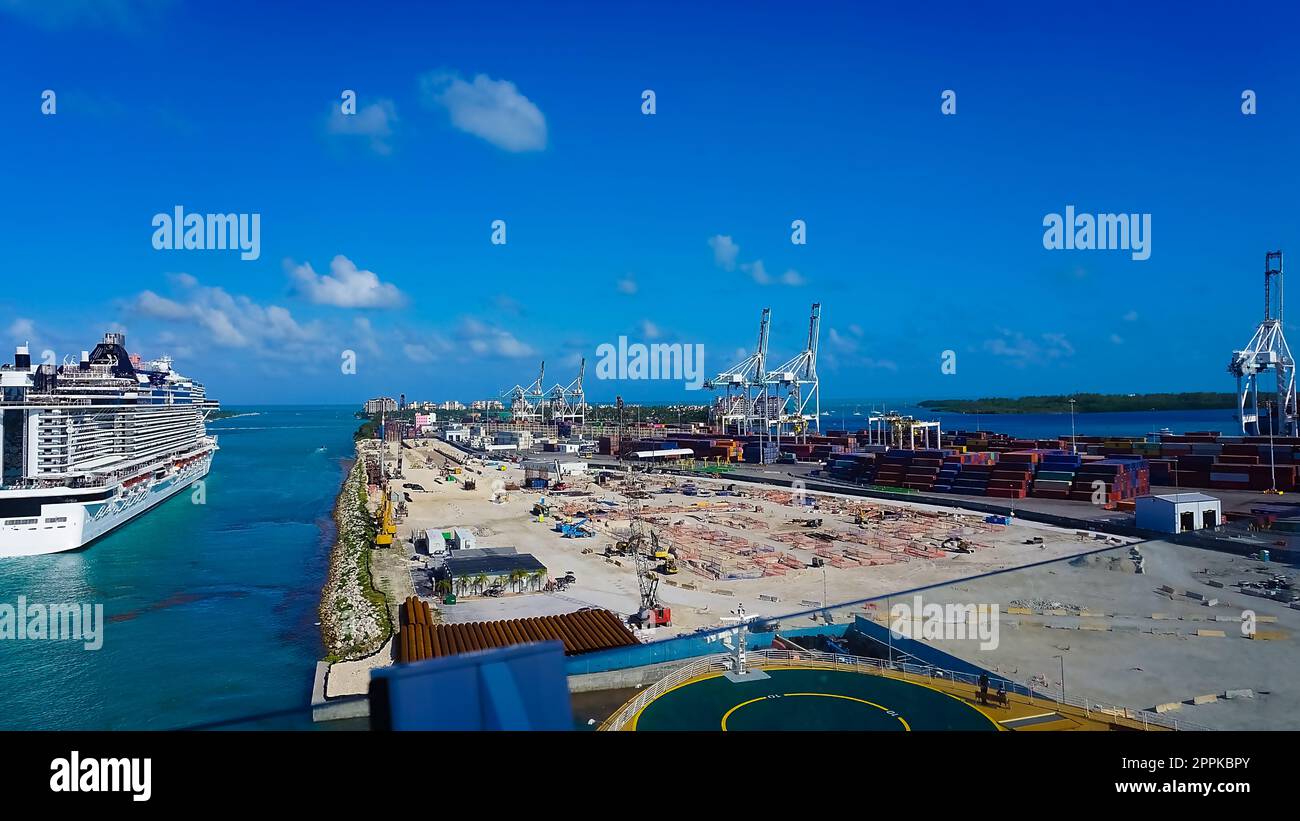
744	406
1267	350
796	386
569	402
526	403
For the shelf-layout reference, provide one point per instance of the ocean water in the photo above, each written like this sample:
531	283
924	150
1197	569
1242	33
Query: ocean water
1047	425
209	609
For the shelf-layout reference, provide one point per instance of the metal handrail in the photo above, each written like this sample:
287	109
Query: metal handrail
811	658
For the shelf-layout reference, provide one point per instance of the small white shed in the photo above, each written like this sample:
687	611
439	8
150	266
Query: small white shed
1178	512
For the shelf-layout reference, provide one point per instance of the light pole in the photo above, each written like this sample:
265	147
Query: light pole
1074	448
826	616
1062	658
1272	460
889	632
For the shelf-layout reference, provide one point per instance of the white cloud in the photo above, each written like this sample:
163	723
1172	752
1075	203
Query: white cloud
151	304
1117	339
374	122
418	353
485	339
627	285
1131	316
842	343
724	251
1021	350
650	330
22	328
757	271
232	321
345	286
491	109
792	277
365	335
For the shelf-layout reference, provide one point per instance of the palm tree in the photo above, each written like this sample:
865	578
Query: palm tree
443	587
536	577
516	576
480	582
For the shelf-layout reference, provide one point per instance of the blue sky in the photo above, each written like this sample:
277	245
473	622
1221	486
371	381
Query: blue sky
924	230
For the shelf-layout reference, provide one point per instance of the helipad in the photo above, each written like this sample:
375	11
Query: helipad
809	699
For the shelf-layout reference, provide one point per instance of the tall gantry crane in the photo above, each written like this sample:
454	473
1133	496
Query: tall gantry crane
796	387
1267	350
526	403
569	402
744	408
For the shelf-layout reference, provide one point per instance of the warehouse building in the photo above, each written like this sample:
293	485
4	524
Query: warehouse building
1178	512
481	570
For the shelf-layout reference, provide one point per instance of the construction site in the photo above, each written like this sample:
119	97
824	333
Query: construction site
632	543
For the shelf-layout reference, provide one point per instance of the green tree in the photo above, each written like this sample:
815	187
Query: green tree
516	578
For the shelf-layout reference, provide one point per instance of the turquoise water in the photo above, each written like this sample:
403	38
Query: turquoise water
210	609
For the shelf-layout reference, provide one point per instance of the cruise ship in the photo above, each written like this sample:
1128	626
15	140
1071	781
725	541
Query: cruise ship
90	445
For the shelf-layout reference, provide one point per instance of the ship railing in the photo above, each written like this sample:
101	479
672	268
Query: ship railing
811	659
623	718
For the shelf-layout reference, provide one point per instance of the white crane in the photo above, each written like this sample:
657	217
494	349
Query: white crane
796	386
1267	350
526	405
744	407
569	402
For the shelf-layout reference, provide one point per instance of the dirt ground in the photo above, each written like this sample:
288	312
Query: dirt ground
730	548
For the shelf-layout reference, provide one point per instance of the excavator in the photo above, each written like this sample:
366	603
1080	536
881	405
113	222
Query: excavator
665	555
386	526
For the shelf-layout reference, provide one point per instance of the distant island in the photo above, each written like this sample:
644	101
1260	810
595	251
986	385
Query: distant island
1087	403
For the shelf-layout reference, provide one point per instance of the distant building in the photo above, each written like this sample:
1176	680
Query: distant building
454	433
425	421
521	439
382	404
451	404
486	405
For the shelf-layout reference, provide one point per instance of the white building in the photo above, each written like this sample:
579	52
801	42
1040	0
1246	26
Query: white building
454	433
1178	512
382	404
521	439
463	539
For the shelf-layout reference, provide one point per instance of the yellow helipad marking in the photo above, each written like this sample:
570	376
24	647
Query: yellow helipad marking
906	726
1018	719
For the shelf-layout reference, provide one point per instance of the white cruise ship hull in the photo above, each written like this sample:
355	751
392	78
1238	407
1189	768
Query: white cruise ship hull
67	525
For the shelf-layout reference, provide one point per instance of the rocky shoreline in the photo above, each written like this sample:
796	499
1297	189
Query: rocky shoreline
353	614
